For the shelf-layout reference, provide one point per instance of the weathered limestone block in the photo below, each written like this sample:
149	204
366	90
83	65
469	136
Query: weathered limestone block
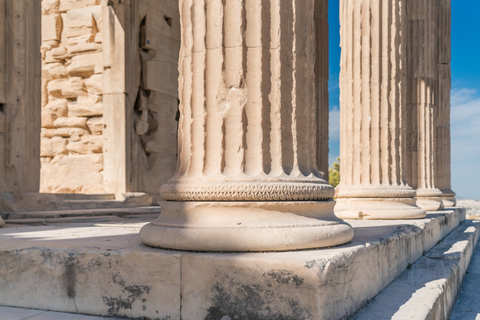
67	5
87	144
73	88
59	53
54	88
82	48
51	27
52	111
49	45
84	13
95	84
47	133
53	71
81	27
373	112
73	133
48	54
50	7
76	109
53	147
99	37
71	122
73	174
95	125
422	102
44	93
89	100
85	65
247	176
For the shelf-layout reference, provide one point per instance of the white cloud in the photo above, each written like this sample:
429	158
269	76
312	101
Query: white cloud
465	133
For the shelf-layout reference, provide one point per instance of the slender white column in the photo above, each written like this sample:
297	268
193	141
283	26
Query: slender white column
442	119
373	112
247	176
422	101
321	77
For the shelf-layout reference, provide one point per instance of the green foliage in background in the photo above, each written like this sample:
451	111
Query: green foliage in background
334	173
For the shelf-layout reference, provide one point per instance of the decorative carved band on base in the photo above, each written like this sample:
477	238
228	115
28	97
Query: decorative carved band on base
247	191
376	192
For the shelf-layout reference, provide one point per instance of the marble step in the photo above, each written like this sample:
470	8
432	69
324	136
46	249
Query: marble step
40	216
429	287
34	202
10	313
468	302
104	269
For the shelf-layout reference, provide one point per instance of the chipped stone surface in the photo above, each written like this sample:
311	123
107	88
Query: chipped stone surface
314	284
97	275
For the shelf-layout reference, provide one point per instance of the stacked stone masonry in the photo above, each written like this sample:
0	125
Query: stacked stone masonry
72	108
105	88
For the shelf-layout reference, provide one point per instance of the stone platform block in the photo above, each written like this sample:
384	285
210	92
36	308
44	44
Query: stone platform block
104	269
428	289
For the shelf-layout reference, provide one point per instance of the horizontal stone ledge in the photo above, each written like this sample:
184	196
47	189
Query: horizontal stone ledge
102	270
427	289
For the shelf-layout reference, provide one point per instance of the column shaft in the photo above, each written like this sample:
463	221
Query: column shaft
422	100
247	133
321	81
373	112
247	95
442	119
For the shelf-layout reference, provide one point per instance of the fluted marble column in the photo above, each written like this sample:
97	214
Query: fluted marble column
422	101
442	119
247	176
321	77
373	112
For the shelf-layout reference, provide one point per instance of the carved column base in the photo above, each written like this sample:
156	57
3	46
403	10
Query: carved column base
378	209
246	226
448	198
429	199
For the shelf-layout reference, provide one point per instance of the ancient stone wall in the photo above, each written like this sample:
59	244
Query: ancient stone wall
141	47
72	109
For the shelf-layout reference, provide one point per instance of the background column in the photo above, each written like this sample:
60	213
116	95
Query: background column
20	85
422	101
373	112
321	81
247	176
442	119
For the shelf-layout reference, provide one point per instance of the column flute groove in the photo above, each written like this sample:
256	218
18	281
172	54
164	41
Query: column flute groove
422	98
372	112
442	117
247	176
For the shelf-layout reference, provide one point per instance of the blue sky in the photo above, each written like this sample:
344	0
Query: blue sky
465	112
